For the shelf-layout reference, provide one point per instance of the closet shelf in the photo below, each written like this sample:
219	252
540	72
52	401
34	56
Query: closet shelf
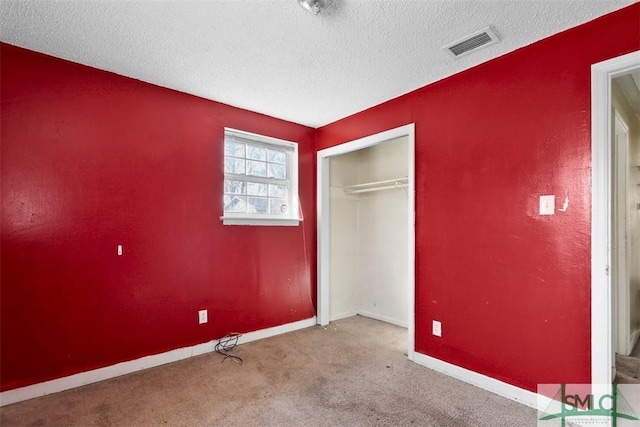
376	186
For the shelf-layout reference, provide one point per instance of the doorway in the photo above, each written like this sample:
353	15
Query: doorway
615	300
348	151
625	100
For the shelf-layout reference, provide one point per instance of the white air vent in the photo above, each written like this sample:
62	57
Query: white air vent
472	43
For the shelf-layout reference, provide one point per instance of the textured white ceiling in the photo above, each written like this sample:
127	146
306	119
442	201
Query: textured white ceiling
273	57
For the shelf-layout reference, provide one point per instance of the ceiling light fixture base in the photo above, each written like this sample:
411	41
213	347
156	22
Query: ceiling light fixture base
314	6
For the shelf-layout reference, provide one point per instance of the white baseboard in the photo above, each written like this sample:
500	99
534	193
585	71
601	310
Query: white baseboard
276	330
60	384
500	388
342	315
387	319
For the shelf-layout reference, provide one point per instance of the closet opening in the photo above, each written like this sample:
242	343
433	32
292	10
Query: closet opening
366	233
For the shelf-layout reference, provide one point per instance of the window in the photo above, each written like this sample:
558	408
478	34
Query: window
260	180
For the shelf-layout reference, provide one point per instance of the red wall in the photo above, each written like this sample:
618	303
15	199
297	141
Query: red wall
511	288
91	160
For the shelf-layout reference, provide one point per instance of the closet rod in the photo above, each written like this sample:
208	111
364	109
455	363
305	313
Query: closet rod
377	185
367	190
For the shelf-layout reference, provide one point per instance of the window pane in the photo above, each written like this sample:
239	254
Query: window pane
234	166
256	189
277	156
235	204
257	205
235	187
256	153
257	180
277	171
278	191
235	149
278	206
256	168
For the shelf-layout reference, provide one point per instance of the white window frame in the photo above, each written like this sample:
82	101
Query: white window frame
292	218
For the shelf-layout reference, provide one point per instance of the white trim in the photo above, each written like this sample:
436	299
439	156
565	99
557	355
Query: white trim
411	237
322	200
323	196
260	221
343	315
291	218
601	345
383	318
484	382
54	386
621	289
277	330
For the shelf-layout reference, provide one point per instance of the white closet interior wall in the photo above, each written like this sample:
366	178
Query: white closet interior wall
369	235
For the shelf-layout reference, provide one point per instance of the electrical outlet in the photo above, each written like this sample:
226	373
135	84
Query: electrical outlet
202	317
437	328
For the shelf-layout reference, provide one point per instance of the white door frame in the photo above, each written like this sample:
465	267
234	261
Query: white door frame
323	221
601	210
620	257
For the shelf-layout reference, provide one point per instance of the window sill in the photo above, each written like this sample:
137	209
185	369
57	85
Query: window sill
261	221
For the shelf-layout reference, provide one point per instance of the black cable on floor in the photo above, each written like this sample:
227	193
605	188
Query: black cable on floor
226	344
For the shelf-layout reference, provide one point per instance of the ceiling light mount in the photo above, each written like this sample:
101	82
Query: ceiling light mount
314	6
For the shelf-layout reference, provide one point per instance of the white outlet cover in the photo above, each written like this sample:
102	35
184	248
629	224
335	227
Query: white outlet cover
437	328
547	204
202	317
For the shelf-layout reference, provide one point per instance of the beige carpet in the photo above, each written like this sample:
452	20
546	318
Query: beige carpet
628	367
352	373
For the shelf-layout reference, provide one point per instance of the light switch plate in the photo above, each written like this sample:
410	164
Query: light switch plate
437	328
547	204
